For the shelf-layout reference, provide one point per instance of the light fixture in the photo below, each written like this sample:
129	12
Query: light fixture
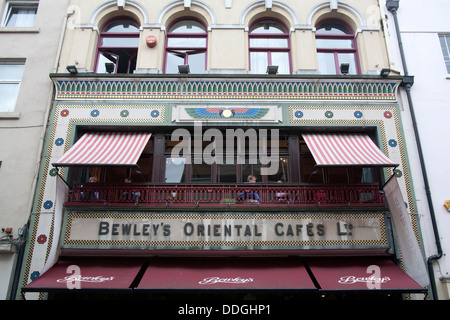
345	66
385	72
72	69
183	69
109	66
272	69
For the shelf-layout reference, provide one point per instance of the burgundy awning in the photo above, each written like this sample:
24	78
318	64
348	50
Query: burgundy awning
362	274
238	273
87	273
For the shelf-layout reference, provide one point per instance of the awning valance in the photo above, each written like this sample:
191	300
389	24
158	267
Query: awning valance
105	148
206	274
87	273
346	150
361	274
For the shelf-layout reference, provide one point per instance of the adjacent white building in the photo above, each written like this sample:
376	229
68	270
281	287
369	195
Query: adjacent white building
424	30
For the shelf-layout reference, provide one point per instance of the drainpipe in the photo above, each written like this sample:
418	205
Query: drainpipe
408	81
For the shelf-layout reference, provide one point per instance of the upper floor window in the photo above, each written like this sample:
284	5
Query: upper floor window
269	46
336	45
20	14
445	46
117	47
10	78
186	44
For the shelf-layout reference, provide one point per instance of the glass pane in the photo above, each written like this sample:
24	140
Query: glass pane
226	173
327	64
187	26
186	42
8	96
333	28
251	169
21	17
268	27
282	173
268	43
124	26
334	43
103	58
120	42
201	173
12	72
173	61
196	62
350	58
259	62
281	59
175	170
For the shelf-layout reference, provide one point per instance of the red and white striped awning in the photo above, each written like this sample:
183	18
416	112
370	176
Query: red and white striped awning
346	150
105	148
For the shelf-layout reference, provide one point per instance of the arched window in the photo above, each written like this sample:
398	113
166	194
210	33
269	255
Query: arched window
336	44
117	46
269	46
186	44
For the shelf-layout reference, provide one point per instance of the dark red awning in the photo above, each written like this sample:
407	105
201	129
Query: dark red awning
362	274
87	274
239	273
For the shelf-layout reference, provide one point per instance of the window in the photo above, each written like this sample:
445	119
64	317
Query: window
10	78
186	44
117	47
445	45
20	14
269	45
335	45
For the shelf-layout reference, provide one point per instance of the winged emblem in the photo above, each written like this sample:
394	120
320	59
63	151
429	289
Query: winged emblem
227	113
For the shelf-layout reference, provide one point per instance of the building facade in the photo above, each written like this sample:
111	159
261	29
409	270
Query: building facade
226	142
429	65
30	35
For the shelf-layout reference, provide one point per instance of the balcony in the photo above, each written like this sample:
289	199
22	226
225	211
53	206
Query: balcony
225	195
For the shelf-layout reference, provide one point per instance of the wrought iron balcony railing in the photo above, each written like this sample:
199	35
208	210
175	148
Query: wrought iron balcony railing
225	195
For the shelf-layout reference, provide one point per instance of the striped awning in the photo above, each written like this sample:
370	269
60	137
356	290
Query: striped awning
105	148
346	150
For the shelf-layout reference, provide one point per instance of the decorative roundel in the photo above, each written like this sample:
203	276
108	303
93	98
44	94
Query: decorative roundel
34	275
154	113
48	204
95	113
124	113
53	172
392	143
59	141
42	239
329	114
298	114
358	114
398	173
388	114
64	113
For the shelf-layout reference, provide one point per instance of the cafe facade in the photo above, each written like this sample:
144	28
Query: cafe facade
146	187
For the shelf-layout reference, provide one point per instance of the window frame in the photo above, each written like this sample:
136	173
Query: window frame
11	5
188	51
336	51
12	81
446	37
269	50
111	49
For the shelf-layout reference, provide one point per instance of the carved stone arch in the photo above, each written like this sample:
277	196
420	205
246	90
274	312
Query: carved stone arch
110	9
176	9
278	10
344	12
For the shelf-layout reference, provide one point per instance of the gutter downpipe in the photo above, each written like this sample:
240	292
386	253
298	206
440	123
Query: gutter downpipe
392	6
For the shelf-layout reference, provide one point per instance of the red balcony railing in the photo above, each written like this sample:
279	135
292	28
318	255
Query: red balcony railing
225	195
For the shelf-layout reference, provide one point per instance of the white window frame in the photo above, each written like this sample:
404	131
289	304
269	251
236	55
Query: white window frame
445	36
10	5
11	81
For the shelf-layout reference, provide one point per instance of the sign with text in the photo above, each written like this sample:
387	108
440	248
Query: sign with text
225	231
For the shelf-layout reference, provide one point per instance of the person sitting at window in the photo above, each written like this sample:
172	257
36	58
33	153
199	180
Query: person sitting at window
128	195
249	195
